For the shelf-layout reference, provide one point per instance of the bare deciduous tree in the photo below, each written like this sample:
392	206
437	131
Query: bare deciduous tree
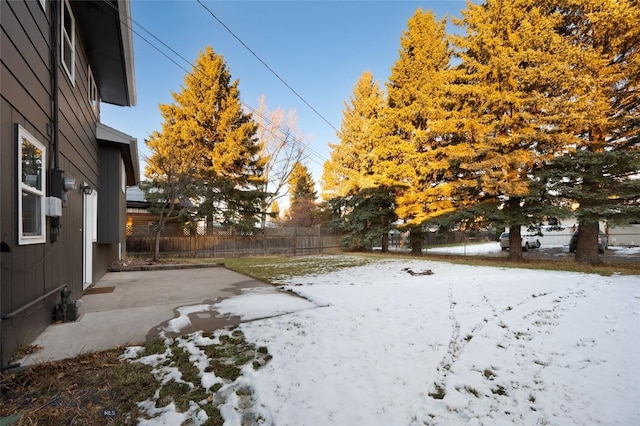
283	145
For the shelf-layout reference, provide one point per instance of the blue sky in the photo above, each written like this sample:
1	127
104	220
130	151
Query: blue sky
319	48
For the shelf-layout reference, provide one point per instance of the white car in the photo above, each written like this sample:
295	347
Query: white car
528	241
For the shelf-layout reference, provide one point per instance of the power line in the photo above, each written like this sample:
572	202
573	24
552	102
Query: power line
253	110
267	66
249	107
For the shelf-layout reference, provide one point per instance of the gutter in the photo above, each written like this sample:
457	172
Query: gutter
124	12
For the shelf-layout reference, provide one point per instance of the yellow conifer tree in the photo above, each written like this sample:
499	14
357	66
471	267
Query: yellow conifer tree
597	172
415	125
512	97
207	124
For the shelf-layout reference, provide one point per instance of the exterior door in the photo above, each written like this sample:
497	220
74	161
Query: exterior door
89	233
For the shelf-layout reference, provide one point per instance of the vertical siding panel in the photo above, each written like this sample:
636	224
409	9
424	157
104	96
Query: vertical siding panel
77	121
7	207
25	98
71	236
5	203
25	56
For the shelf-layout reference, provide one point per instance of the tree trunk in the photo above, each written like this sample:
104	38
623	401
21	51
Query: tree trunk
263	218
263	211
416	240
587	247
515	242
385	242
385	235
162	220
156	246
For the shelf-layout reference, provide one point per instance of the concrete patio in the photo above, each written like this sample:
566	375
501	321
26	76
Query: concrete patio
131	307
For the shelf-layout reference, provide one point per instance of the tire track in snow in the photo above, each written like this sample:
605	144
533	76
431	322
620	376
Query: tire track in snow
535	321
457	344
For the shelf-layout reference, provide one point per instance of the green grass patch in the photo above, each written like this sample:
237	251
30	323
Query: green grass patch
275	268
178	393
226	360
272	269
154	347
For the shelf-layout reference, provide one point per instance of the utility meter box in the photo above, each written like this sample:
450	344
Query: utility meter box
54	207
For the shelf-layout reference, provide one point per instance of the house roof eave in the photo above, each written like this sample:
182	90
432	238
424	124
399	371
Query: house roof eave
128	146
107	29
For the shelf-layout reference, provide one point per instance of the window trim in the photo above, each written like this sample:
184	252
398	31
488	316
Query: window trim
71	73
92	88
43	4
23	134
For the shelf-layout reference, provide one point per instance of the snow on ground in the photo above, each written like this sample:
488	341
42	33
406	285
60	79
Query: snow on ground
374	345
467	345
483	248
494	247
262	303
182	321
625	251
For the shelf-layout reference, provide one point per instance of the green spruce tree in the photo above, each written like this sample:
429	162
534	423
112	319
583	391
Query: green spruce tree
512	95
350	176
599	172
208	120
302	197
415	125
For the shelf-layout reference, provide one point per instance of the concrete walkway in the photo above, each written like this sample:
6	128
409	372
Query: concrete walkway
133	308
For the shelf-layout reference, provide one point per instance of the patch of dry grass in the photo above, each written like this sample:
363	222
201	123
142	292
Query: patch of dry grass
95	388
100	388
273	268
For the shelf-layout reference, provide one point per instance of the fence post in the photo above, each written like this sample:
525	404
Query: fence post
233	242
264	241
295	240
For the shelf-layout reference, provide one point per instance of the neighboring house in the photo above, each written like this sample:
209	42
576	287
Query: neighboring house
139	219
141	222
63	174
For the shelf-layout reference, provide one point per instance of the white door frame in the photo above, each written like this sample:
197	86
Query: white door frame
89	205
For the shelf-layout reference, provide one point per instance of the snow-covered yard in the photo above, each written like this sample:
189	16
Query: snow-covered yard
375	345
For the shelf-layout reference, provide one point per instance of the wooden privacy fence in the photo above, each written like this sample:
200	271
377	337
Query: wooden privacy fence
277	241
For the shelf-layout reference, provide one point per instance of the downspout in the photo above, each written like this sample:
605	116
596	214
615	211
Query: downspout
55	35
55	189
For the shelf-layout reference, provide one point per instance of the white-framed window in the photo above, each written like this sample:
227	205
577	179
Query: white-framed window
94	99
68	41
32	160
